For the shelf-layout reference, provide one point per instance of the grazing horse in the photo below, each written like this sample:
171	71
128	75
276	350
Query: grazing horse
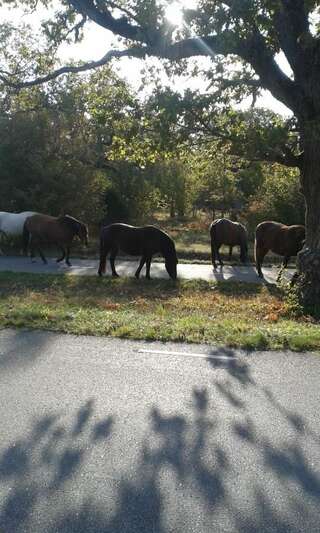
280	239
59	231
225	231
11	224
144	241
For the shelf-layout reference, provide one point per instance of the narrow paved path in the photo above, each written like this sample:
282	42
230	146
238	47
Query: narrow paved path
102	435
88	267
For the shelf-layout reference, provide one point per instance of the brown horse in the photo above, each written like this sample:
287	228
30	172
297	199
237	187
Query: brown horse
145	241
280	239
225	231
41	230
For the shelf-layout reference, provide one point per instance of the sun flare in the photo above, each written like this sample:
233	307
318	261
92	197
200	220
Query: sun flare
174	13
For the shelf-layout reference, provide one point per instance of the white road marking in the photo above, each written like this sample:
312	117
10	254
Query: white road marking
191	354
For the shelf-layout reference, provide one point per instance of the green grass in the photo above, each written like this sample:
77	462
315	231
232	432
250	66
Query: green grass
234	314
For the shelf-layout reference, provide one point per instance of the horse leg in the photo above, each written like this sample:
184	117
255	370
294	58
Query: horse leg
148	265
32	254
32	249
113	255
294	279
67	256
260	254
284	265
2	233
213	254
63	254
286	260
279	276
42	256
104	250
219	256
142	262
230	252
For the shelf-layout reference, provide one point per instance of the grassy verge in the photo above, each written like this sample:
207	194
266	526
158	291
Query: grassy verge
234	314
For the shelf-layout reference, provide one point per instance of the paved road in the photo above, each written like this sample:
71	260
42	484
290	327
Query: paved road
110	436
88	267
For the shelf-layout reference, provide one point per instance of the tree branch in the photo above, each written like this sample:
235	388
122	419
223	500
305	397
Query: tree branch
253	50
129	14
226	82
76	28
288	159
119	26
283	156
138	52
292	24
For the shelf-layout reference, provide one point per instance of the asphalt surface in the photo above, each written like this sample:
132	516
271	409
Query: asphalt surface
110	436
89	267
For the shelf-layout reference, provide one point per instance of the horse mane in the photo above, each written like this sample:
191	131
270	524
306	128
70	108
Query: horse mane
71	222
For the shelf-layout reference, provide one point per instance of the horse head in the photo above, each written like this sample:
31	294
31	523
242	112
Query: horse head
79	229
83	233
171	261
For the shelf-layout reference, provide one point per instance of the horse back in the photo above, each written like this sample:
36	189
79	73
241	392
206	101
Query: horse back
279	238
12	223
225	231
48	228
135	240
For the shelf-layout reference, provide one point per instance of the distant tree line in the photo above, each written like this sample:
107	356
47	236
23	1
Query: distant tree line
89	147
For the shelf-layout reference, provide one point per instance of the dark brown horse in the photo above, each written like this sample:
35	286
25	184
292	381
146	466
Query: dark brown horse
42	230
144	241
225	231
280	239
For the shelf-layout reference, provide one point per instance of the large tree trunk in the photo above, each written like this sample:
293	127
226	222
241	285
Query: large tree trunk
309	257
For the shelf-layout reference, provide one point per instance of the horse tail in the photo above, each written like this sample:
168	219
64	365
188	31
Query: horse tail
243	243
103	255
255	248
213	238
259	239
25	239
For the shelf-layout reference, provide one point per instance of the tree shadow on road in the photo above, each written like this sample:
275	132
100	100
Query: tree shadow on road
228	359
16	344
181	451
178	445
41	463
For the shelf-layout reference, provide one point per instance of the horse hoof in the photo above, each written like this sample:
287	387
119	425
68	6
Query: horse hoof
115	276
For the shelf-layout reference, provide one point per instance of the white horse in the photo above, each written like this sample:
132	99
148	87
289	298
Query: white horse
11	224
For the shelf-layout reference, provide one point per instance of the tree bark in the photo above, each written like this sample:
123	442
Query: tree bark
308	262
